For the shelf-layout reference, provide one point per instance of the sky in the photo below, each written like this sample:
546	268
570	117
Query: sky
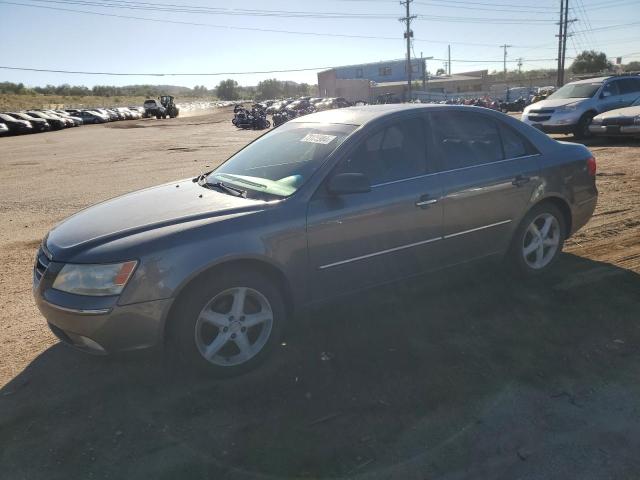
207	37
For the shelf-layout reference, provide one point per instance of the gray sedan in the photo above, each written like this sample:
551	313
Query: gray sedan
328	204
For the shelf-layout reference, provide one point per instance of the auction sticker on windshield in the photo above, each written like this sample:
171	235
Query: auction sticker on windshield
318	138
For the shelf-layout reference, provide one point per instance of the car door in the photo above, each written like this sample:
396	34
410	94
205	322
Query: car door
391	232
489	175
611	97
629	89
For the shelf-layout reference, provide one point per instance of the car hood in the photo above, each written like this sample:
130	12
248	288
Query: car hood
554	103
621	112
137	212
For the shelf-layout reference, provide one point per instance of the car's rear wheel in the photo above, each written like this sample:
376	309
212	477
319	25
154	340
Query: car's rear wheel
538	241
228	324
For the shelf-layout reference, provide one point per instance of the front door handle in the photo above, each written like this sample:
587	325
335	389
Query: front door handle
520	180
424	201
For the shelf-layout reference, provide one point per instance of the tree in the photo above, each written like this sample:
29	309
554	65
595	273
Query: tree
227	90
632	67
590	61
271	88
440	71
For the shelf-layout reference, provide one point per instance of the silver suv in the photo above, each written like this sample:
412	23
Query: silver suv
572	107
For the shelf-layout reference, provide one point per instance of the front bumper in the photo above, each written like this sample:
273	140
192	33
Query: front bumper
615	130
553	122
98	324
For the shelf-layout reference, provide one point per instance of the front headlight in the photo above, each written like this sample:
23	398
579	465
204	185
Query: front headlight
567	108
596	121
94	280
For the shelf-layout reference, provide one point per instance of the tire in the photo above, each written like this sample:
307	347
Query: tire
581	130
268	124
231	346
158	117
540	260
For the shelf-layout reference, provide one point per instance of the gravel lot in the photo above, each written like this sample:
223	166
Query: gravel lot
474	377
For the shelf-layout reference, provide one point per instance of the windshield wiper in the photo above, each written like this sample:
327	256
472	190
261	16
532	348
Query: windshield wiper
227	188
242	180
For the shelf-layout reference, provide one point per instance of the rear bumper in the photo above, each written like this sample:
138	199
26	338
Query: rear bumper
582	212
615	130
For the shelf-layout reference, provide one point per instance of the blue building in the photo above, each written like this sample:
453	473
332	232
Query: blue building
379	72
358	82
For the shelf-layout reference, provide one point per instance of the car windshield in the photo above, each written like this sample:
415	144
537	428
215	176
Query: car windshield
636	103
280	162
577	90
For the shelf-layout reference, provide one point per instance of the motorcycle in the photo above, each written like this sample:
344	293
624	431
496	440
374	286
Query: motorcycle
255	119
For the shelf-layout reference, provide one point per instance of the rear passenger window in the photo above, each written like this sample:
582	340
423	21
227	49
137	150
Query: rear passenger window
513	144
629	85
466	139
394	153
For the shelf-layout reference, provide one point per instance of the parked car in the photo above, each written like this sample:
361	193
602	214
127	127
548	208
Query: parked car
619	122
571	108
112	116
65	118
55	122
90	116
4	130
38	124
153	108
140	111
15	125
324	205
77	121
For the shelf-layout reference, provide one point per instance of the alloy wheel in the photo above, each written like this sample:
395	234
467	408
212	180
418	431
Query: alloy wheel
541	241
234	326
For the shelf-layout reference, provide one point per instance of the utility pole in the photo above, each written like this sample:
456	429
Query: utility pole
504	47
408	34
564	37
560	36
520	65
449	60
424	73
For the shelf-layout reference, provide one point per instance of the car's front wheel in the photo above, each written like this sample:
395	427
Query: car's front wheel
581	130
539	239
229	323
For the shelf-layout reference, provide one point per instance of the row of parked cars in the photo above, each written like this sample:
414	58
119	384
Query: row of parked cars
36	121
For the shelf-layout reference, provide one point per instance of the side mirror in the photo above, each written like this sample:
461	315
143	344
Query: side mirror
606	93
347	183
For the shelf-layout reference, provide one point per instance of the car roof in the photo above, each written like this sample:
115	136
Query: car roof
593	80
367	113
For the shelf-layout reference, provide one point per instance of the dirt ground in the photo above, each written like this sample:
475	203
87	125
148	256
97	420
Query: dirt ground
475	376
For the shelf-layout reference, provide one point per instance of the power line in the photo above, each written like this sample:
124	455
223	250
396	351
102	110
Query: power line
255	72
254	29
175	8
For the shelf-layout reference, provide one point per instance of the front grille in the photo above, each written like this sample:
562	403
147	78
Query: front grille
539	118
543	111
622	121
42	263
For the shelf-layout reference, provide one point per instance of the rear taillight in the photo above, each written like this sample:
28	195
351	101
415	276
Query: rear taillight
591	166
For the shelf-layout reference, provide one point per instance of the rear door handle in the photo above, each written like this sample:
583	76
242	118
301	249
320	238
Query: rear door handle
424	201
520	180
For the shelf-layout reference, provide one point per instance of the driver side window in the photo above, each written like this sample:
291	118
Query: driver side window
392	153
611	88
